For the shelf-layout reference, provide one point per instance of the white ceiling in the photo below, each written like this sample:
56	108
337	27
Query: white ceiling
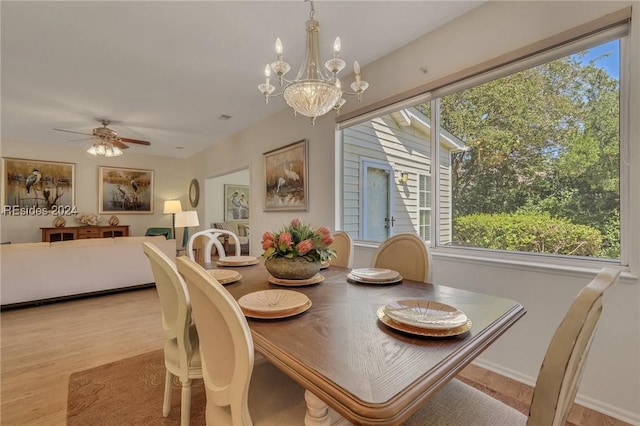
165	71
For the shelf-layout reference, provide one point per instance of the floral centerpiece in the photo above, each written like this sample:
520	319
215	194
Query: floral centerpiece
88	219
297	250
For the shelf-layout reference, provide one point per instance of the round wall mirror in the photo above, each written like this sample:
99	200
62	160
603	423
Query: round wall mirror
194	193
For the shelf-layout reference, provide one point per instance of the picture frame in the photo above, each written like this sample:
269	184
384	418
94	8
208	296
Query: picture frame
125	191
236	202
37	187
286	177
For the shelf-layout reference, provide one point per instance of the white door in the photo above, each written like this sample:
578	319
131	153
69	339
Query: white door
377	208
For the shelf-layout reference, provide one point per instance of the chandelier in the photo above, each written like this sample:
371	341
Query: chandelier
104	146
313	92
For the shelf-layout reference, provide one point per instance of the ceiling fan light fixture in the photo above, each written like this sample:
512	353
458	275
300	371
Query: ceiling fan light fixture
92	150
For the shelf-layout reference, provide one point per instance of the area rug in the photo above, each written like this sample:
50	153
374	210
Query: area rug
130	392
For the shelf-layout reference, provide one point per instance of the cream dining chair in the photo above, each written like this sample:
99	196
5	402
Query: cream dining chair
343	245
406	253
227	351
210	237
458	404
181	348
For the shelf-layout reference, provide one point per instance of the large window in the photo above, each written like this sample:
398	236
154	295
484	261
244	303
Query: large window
525	161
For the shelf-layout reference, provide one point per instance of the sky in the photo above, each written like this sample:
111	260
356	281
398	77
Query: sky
610	63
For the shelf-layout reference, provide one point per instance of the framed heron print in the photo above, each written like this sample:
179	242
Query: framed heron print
35	187
286	177
125	191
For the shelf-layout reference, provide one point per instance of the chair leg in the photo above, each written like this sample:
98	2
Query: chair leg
240	413
185	405
166	405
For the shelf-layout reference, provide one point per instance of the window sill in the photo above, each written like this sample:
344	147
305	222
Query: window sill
523	262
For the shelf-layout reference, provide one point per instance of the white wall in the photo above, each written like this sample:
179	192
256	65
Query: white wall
171	181
611	382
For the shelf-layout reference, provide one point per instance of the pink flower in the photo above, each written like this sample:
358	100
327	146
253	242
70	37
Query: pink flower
323	230
304	247
327	240
296	223
285	239
267	240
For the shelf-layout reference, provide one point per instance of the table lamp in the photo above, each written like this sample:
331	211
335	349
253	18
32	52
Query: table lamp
184	220
172	207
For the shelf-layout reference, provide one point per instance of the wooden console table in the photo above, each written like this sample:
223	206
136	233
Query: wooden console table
82	232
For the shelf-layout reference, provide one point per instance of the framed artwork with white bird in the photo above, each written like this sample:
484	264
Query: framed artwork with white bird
236	202
286	177
125	191
33	187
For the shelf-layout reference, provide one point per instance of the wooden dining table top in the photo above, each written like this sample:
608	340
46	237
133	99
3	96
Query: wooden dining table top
368	372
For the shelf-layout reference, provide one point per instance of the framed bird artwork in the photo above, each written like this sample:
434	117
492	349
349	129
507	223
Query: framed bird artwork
236	202
125	191
36	187
286	177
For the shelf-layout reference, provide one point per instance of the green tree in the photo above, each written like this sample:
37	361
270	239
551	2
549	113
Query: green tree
542	140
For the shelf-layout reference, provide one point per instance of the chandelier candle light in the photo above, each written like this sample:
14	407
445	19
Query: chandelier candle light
313	93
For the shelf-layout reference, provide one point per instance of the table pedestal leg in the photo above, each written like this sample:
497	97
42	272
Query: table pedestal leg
317	411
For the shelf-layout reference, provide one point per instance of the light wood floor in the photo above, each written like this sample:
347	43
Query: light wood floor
42	346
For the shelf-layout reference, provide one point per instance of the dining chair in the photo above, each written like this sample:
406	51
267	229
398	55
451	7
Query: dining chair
181	348
458	404
406	253
227	351
343	245
211	237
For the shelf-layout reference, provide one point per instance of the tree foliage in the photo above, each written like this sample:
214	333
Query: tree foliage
543	140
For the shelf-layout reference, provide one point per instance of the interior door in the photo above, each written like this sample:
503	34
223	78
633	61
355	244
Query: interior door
377	208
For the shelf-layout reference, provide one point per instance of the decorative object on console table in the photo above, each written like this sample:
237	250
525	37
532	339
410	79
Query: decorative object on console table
286	177
38	184
296	251
172	207
59	222
184	220
236	202
125	191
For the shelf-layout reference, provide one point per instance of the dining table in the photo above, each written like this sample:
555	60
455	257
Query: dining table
348	359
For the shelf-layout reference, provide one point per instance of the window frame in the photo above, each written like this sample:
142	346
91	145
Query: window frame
619	30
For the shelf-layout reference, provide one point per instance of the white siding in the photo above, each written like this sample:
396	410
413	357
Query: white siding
406	149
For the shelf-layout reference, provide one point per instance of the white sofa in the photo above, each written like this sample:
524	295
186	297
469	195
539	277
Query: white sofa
31	272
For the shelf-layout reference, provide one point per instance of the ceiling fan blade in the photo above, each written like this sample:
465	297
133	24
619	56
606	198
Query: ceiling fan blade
119	144
139	142
71	131
80	140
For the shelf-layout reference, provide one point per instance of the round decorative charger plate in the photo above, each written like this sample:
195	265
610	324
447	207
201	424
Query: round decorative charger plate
358	280
427	314
374	274
424	332
317	278
272	301
276	315
225	276
238	261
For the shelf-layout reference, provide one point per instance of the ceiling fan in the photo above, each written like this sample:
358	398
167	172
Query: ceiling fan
109	135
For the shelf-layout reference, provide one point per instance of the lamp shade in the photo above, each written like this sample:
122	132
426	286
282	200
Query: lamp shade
186	219
172	206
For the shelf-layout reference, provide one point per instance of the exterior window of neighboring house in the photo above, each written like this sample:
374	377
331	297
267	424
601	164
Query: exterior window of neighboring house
424	206
529	158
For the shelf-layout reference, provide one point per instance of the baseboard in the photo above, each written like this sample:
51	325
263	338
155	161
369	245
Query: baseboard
591	403
39	302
